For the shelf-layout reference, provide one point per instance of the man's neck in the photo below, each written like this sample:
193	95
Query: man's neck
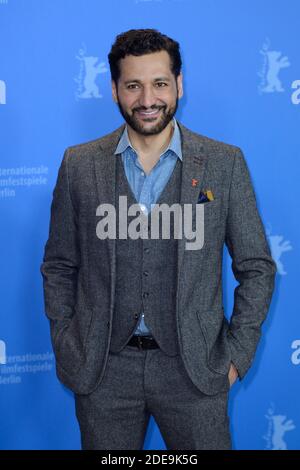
153	145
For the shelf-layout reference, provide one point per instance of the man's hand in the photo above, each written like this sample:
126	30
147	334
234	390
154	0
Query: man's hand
233	374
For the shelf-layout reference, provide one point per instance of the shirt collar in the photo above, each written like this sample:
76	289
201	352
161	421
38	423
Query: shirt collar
174	145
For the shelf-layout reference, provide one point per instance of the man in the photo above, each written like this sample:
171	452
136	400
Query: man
137	323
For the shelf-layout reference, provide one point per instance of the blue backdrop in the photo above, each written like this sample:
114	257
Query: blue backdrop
242	85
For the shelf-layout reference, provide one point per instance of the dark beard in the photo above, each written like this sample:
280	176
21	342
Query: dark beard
164	119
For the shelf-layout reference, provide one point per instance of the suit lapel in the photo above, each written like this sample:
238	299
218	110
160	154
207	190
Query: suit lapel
105	171
194	159
105	167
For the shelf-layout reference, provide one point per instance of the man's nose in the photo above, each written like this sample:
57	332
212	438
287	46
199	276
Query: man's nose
147	98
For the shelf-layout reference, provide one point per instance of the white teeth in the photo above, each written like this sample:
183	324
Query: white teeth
148	114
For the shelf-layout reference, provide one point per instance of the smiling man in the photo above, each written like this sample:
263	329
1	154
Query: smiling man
137	324
147	94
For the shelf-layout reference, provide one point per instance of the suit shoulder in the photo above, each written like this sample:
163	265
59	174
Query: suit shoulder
88	149
220	146
213	146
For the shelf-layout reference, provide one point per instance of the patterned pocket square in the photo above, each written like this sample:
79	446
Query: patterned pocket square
205	196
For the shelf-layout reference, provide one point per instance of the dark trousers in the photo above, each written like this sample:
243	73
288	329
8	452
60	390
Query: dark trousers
139	383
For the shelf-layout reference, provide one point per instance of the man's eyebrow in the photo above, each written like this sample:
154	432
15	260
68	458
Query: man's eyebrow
159	79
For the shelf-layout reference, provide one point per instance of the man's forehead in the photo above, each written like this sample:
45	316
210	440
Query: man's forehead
156	58
140	67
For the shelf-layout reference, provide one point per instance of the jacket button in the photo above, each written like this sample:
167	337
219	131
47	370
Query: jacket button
146	250
108	323
136	315
145	294
145	273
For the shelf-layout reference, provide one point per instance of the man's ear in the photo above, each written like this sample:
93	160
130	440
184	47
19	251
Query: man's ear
180	85
114	91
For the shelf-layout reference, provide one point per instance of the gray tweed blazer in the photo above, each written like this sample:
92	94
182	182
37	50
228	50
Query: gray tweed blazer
79	269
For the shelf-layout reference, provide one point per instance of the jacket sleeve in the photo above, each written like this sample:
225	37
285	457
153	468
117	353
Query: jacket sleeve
252	266
61	257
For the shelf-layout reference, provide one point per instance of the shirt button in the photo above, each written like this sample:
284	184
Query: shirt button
143	207
142	173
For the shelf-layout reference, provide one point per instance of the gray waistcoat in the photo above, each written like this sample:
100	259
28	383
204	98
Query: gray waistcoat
146	274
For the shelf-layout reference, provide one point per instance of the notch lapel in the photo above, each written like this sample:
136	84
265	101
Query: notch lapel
105	172
194	159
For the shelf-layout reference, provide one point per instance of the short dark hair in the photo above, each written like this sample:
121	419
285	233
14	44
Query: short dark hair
138	42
